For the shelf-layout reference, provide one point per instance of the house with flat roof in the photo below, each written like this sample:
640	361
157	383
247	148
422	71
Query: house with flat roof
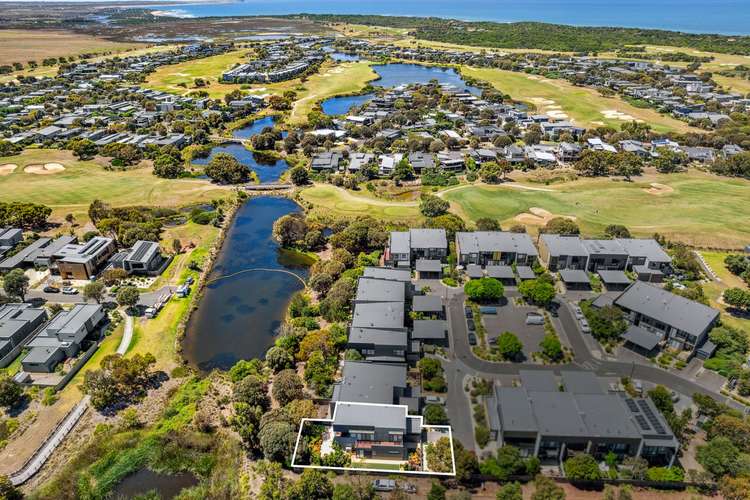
62	337
562	252
81	262
680	323
379	290
376	344
144	258
387	273
428	306
553	420
646	258
10	236
380	383
379	315
430	331
17	323
406	247
492	248
607	255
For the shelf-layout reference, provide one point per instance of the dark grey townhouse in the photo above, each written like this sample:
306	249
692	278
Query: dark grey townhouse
378	383
17	323
405	248
661	317
606	255
562	252
553	424
494	248
646	258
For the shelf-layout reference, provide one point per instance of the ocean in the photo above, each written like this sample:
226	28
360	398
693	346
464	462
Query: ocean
729	17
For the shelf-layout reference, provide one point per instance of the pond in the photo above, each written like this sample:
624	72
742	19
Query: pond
145	480
268	168
342	57
395	74
238	316
341	105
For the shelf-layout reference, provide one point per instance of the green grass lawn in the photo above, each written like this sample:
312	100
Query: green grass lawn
586	107
73	189
703	210
714	289
342	202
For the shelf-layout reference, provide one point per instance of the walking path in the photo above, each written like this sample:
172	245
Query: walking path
40	456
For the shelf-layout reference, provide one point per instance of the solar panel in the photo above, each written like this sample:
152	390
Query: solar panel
631	404
642	422
652	417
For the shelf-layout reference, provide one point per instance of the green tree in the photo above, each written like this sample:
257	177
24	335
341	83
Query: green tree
488	224
546	489
101	387
720	457
551	348
735	297
287	386
299	176
312	485
127	296
509	347
510	491
83	149
491	172
437	491
537	291
290	229
668	160
277	440
429	368
484	290
403	170
582	467
16	284
225	169
433	206
616	231
439	455
10	392
168	167
561	225
94	290
253	391
435	415
8	491
662	399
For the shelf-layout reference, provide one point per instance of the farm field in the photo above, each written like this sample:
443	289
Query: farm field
335	80
72	189
584	106
35	45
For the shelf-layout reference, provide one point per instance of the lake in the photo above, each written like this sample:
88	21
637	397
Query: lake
395	74
238	317
268	168
340	105
145	480
696	16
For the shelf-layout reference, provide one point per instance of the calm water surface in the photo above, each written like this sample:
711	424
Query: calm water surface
342	104
145	480
395	74
238	317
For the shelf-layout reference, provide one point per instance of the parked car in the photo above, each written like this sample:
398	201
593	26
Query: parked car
638	386
470	324
472	339
434	400
51	289
578	312
408	488
384	485
585	328
675	396
69	290
534	319
468	312
493	341
189	280
488	310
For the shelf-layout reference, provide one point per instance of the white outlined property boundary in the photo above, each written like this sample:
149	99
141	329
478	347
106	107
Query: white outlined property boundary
381	471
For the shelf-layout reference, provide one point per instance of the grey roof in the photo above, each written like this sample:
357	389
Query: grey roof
427	303
500	272
564	245
516	414
581	382
55	246
605	416
641	337
681	313
375	290
24	255
84	253
400	242
603	300
365	382
647	270
143	251
614	277
428	238
538	380
525	272
16	317
386	315
429	329
375	336
387	273
40	355
556	414
474	271
647	248
428	265
495	241
574	276
603	247
370	415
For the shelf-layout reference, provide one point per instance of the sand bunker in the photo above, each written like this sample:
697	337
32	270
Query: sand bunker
538	217
46	169
542	101
7	169
659	189
613	114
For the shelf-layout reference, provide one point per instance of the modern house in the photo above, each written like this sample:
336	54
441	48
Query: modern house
379	383
379	315
406	247
144	258
492	248
430	331
62	337
545	422
379	290
9	237
376	344
562	252
678	322
607	255
387	273
646	258
329	160
17	323
81	262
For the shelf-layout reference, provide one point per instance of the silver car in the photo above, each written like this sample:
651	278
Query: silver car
578	312
534	319
585	328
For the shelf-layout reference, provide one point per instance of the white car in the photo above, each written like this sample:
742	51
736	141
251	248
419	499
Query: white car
578	313
534	319
69	290
434	400
585	328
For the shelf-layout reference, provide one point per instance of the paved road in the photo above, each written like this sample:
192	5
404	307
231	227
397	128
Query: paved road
147	298
584	359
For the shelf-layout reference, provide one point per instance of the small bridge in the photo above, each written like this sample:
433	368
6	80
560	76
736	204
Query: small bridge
268	187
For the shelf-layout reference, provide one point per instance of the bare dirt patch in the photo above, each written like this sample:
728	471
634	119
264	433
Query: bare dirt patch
7	169
538	217
658	189
46	169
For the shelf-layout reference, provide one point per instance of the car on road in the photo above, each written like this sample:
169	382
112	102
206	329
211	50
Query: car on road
69	290
488	310
533	318
578	312
468	312
472	339
675	397
470	324
434	400
492	341
585	328
638	385
51	289
384	485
